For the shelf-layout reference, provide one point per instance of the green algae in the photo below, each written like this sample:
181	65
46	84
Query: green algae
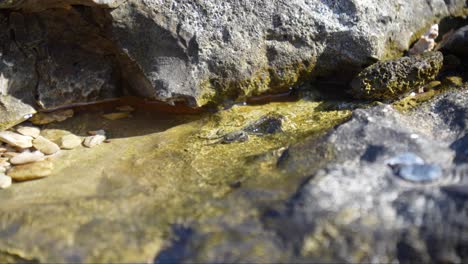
264	80
413	101
159	170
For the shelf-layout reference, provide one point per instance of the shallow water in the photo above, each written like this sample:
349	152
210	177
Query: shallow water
159	171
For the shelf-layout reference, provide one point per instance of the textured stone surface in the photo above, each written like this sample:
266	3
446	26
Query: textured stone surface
31	171
45	145
457	43
392	79
217	49
15	139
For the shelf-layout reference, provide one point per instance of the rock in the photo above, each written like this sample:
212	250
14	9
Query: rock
27	157
93	141
389	80
28	131
453	81
426	42
236	136
31	171
16	140
5	181
202	60
407	158
45	146
456	44
268	124
55	135
116	116
47	118
68	58
13	111
70	141
97	132
419	172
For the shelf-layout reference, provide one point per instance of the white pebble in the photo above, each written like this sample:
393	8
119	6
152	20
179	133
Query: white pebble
27	157
29	131
93	141
15	139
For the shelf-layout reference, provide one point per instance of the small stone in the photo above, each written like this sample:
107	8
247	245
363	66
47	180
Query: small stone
420	172
116	116
15	139
70	141
97	132
29	131
93	141
27	157
2	149
55	135
406	158
236	136
5	181
31	171
45	146
453	81
47	118
125	108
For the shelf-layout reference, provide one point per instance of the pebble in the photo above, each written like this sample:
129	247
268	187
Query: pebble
93	141
15	139
97	132
406	158
420	172
31	171
47	118
70	141
116	116
5	181
28	131
45	146
27	157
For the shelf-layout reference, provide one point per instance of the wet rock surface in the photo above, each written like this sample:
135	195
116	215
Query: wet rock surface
356	207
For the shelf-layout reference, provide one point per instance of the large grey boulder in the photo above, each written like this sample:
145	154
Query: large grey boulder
60	53
212	50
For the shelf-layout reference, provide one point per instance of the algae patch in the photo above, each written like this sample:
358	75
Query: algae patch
159	170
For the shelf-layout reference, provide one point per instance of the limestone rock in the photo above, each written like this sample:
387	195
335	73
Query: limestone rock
31	171
29	131
47	118
15	139
27	157
93	141
392	79
45	146
70	141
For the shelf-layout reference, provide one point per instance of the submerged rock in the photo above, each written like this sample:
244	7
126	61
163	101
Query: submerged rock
390	80
268	124
236	136
44	118
419	172
31	171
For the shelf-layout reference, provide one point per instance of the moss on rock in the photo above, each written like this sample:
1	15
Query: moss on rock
392	79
